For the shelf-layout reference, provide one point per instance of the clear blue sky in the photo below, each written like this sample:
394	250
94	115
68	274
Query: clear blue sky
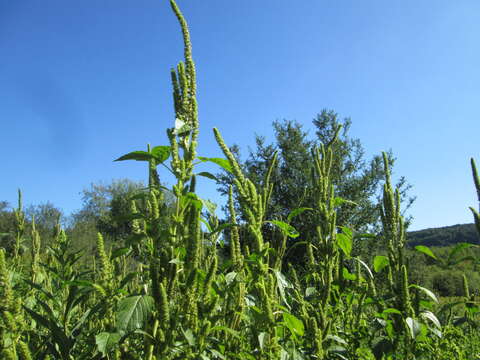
83	82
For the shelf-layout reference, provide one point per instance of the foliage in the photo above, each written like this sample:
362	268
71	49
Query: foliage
444	236
160	290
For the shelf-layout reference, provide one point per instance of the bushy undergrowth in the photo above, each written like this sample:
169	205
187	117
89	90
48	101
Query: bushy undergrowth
166	292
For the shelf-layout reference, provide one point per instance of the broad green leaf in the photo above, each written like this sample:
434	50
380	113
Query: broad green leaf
456	249
133	312
188	334
230	277
107	341
414	326
223	163
345	243
425	250
392	311
347	275
431	316
380	262
160	153
294	324
337	201
297	212
427	292
209	205
193	199
337	339
208	175
217	354
286	229
223	227
282	284
136	155
119	252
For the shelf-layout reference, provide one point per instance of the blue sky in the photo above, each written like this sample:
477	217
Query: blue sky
83	82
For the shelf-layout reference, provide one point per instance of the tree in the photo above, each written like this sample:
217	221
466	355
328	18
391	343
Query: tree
106	208
46	217
355	179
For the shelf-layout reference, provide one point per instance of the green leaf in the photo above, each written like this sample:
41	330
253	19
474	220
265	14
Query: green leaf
425	250
261	339
119	252
223	163
207	175
294	324
345	243
365	266
160	153
209	205
223	227
456	249
136	155
297	212
392	311
188	334
431	316
337	339
107	341
226	330
133	312
347	275
415	327
286	229
380	262
193	199
282	284
230	277
427	292
337	201
310	291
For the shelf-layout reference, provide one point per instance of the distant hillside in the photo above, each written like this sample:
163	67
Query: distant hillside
444	236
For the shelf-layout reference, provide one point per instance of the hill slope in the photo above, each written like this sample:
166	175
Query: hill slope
444	236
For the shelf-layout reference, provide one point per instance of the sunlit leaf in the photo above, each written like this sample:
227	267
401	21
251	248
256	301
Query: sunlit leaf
345	243
133	312
337	201
425	250
431	316
365	266
261	339
160	153
287	229
282	284
380	262
297	212
136	155
294	324
107	341
223	163
414	326
348	275
427	292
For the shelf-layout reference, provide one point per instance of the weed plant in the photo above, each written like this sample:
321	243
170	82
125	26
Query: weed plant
166	293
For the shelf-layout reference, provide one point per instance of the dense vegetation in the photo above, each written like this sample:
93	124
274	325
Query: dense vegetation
444	236
175	282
